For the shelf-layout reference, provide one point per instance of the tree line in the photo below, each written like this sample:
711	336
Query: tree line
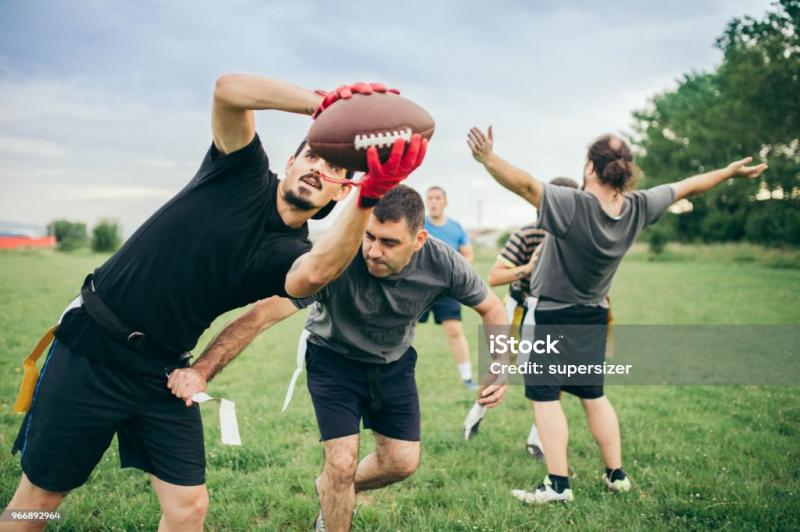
748	105
72	235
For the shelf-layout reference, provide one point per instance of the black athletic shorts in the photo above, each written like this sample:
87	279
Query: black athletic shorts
582	331
345	391
443	309
79	405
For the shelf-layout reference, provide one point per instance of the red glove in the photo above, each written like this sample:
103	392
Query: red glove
343	92
381	178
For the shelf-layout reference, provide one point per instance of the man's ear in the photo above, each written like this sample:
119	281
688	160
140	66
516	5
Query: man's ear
422	237
343	192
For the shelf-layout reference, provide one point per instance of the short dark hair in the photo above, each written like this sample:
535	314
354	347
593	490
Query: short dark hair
440	189
348	175
613	162
564	182
401	202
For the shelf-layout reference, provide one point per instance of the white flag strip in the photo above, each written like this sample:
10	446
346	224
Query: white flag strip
228	424
473	419
300	363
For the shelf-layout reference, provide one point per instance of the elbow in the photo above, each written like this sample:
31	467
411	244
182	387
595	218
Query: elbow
225	87
320	277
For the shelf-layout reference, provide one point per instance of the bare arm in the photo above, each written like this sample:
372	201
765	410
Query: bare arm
467	252
334	251
692	186
237	335
236	96
501	273
494	316
331	254
505	273
514	179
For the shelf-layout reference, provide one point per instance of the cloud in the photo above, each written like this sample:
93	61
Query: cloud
114	98
27	147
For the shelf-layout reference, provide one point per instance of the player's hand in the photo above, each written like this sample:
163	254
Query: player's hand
383	177
481	145
492	395
534	259
186	382
739	168
343	92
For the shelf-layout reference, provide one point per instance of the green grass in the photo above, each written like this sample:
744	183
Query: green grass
700	457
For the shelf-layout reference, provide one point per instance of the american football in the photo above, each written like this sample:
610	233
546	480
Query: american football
344	131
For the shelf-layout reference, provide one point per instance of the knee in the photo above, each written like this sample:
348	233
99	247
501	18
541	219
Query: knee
405	468
401	467
29	495
189	509
341	468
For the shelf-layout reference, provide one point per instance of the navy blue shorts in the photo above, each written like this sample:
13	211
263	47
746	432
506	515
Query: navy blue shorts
582	331
80	404
345	391
443	309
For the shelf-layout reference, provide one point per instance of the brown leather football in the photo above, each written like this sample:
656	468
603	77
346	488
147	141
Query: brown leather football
342	133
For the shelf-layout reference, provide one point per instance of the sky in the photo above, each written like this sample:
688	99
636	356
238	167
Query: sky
104	106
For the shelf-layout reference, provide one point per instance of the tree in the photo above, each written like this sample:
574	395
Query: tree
105	235
747	106
69	235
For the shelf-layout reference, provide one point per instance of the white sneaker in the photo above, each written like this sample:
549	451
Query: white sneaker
619	484
543	494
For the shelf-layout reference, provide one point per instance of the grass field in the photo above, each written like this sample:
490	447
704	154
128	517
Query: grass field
700	457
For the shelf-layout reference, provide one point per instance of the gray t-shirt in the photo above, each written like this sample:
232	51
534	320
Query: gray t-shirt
372	319
585	245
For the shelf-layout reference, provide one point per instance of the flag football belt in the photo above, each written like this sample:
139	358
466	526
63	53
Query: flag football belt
105	317
99	312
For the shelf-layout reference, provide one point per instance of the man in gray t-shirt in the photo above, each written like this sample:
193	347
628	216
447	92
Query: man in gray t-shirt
360	361
588	234
372	319
586	244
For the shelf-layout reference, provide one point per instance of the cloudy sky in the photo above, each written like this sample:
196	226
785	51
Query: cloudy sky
104	106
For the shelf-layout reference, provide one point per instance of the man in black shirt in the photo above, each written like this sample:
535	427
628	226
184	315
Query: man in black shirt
235	234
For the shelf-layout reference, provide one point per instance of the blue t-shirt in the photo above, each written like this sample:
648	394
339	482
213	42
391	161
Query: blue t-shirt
451	233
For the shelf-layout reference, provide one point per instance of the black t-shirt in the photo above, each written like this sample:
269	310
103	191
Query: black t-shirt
219	244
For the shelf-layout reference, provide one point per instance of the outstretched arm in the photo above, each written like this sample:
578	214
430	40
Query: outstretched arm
236	96
692	186
237	335
514	179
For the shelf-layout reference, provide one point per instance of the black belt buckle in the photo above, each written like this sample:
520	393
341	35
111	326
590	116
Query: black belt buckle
137	339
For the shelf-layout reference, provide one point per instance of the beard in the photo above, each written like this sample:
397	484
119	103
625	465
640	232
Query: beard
298	202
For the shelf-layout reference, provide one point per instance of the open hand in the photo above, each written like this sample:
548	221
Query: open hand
480	144
739	168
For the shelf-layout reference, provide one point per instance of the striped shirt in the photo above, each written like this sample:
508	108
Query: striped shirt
517	251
